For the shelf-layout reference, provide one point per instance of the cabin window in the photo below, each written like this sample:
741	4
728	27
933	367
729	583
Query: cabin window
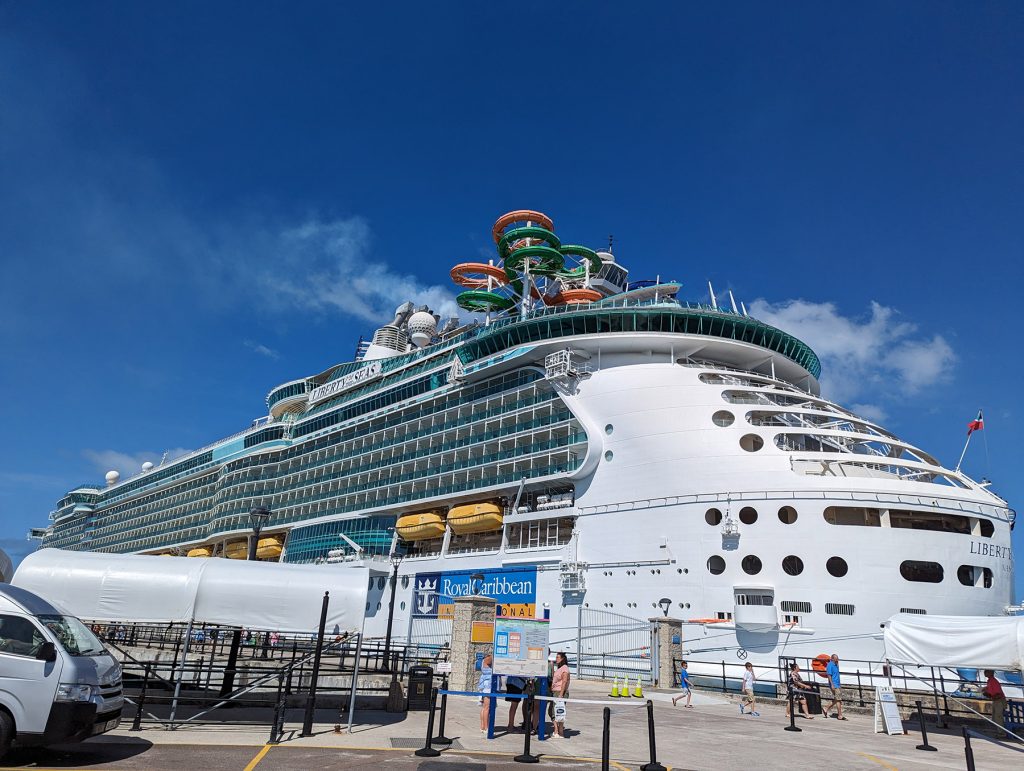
973	575
853	515
723	418
713	517
837	567
793	565
748	515
787	515
751	442
751	565
716	565
921	572
930	520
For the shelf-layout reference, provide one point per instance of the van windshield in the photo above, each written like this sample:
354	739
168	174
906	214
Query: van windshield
75	636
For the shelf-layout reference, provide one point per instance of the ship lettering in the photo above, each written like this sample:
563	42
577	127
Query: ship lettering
990	550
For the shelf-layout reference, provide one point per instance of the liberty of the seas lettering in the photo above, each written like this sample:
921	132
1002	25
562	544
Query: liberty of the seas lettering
990	550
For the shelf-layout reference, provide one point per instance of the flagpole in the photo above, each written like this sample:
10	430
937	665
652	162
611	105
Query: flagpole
957	469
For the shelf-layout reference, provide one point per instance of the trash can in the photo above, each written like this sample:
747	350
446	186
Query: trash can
421	682
813	697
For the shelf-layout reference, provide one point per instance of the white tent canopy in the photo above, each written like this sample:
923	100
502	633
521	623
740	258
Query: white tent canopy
149	589
982	642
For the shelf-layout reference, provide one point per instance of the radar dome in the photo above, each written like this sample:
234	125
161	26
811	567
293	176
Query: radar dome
422	327
112	477
147	465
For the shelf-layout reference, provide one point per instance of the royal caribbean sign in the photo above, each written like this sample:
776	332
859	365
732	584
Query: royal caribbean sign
342	384
514	589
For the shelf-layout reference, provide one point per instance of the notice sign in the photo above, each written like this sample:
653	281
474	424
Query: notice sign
482	632
887	711
521	647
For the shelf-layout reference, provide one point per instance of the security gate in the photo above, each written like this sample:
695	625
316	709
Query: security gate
607	644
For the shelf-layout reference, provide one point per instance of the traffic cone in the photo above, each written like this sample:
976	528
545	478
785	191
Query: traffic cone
624	689
615	689
638	692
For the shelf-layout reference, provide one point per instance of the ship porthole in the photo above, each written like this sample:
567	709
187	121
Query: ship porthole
837	567
723	418
751	565
787	515
405	583
793	565
609	429
751	442
609	455
716	565
748	515
713	517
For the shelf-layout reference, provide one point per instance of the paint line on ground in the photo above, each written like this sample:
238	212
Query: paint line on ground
879	761
259	756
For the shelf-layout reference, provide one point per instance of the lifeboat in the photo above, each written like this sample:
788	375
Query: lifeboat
475	518
269	548
236	550
201	551
819	664
420	527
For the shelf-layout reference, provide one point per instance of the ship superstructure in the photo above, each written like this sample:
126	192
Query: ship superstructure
586	444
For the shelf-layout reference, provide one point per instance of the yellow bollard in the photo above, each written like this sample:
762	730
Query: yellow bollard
615	689
638	692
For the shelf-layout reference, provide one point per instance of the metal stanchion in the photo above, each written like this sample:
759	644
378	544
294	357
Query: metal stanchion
307	722
426	751
654	765
441	738
526	757
924	731
968	752
792	715
277	727
137	723
860	691
606	740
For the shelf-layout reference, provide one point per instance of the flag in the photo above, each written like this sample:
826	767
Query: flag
976	425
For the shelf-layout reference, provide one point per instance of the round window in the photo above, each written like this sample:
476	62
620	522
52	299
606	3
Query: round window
787	515
380	582
713	516
793	565
402	606
748	515
716	565
837	567
609	428
405	582
751	565
723	418
751	442
609	455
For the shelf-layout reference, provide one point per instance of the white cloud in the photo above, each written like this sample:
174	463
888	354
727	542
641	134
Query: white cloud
878	355
261	349
128	464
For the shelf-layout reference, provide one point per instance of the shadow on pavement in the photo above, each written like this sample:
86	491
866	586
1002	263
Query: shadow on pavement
81	755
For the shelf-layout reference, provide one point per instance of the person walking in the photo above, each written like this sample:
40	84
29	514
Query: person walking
560	690
994	692
514	685
484	686
748	690
797	686
834	692
684	681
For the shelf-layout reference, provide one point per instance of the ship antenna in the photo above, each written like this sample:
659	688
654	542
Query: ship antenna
611	239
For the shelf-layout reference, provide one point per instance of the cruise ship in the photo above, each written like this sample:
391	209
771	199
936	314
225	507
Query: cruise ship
585	448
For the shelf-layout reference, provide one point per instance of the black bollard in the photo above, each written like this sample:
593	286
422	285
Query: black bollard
137	723
924	731
606	740
526	757
968	752
792	715
441	738
654	765
307	722
426	751
277	726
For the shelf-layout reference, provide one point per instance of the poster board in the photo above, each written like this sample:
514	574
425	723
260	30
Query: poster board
521	647
887	711
482	632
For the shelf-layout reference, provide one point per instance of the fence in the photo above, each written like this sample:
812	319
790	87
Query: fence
606	644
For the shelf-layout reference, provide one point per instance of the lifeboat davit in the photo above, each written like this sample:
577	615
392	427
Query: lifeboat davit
237	550
475	518
269	548
201	551
422	526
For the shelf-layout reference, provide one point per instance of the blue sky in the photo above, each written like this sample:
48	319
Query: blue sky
198	203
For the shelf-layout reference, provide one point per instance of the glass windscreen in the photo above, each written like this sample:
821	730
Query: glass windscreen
75	636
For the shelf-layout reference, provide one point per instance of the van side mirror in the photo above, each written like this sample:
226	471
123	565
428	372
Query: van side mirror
47	652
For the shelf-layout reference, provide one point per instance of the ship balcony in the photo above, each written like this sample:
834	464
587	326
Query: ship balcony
754	609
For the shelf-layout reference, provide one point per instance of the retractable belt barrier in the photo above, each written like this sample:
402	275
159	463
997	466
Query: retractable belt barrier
503	695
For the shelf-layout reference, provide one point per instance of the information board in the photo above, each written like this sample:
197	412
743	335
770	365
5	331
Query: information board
521	647
887	710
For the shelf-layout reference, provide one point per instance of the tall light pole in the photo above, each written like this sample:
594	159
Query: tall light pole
258	519
396	560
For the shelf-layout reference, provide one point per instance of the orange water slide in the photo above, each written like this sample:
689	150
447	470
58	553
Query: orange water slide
520	215
474	275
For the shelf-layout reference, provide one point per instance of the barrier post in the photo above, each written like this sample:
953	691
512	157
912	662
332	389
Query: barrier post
137	722
606	740
792	715
307	722
860	692
441	738
945	701
542	718
654	765
939	722
724	688
924	731
526	757
968	752
492	706
277	727
426	751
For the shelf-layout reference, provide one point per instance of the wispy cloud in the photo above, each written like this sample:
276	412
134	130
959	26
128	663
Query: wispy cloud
261	349
127	463
878	355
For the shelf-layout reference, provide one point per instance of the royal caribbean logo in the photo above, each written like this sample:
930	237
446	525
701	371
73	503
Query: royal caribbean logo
514	589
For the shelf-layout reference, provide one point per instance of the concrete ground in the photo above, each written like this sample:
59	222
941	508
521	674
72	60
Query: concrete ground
712	735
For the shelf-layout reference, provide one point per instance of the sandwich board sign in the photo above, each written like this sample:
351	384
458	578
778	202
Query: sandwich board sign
521	647
887	711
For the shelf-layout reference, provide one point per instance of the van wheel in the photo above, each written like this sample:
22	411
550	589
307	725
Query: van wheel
6	732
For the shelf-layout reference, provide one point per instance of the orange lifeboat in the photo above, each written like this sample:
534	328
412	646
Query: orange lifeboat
236	550
269	548
423	526
476	518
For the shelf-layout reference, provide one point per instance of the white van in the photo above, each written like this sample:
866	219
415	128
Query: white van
57	681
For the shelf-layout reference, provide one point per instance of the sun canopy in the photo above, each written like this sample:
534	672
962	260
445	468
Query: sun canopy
983	642
148	589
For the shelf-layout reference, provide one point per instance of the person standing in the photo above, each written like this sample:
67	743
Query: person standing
560	690
514	685
994	691
834	685
684	681
748	690
484	686
797	686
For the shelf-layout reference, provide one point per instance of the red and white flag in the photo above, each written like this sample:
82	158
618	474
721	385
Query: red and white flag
976	425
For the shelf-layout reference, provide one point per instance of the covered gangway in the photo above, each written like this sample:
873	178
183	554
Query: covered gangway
146	589
978	642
